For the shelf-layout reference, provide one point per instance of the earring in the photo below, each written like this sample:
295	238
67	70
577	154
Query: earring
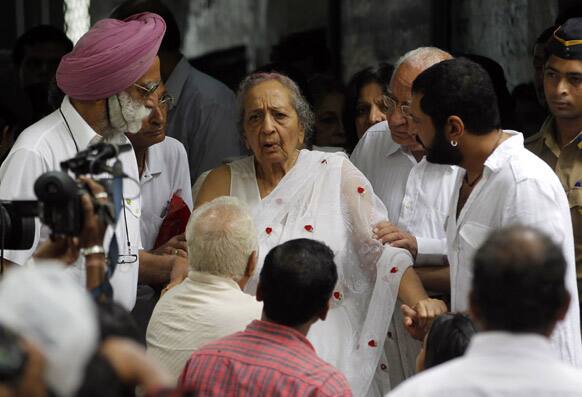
454	143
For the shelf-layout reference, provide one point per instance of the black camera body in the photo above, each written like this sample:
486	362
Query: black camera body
60	207
59	198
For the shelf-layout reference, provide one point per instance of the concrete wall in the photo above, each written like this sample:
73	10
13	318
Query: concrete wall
502	30
380	30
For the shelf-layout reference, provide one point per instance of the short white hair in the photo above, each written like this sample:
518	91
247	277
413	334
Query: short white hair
422	58
221	237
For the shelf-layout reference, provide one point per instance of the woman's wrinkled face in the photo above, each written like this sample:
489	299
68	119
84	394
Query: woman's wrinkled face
271	125
368	111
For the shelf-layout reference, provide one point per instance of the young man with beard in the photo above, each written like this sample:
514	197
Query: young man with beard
454	109
111	79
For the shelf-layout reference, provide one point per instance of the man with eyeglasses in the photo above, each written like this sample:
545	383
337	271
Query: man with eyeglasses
103	78
415	192
559	141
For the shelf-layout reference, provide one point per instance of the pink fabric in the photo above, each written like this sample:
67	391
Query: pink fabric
111	56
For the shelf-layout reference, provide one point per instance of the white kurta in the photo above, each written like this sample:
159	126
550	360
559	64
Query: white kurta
201	309
41	148
417	196
499	364
324	197
166	173
516	188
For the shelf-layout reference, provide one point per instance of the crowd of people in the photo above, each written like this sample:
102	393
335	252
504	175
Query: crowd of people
398	236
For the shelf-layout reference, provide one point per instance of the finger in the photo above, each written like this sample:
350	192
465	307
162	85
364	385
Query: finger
401	243
87	205
181	245
93	186
181	237
407	311
182	253
422	314
389	238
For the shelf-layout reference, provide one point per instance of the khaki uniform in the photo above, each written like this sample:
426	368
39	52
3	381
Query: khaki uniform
567	163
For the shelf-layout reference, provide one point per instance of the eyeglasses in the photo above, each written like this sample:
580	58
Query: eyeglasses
165	102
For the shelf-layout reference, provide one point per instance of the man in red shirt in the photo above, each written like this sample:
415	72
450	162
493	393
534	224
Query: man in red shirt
272	357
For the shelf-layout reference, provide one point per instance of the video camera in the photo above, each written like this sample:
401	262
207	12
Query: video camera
59	198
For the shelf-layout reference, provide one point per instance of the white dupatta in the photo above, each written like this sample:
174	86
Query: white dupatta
324	197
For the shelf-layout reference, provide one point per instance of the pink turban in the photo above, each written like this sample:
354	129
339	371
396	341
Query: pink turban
111	56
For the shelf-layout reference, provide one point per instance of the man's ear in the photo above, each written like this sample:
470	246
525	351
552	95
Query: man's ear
322	315
251	265
473	308
454	128
259	294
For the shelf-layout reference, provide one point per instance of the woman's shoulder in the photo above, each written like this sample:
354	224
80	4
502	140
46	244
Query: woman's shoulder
216	184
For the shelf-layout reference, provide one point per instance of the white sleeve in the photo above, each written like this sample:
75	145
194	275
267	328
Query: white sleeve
17	176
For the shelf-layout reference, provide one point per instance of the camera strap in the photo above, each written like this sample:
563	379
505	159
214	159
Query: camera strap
105	291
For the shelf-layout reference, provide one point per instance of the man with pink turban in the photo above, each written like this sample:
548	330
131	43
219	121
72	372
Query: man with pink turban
111	80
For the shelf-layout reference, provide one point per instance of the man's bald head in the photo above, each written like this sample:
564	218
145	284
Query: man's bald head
518	281
408	67
221	237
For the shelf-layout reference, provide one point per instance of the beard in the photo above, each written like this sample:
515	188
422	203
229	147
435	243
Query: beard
441	151
125	115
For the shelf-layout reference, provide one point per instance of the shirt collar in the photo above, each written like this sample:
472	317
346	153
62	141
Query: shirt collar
548	132
382	128
278	329
82	134
154	160
177	79
207	278
501	342
503	152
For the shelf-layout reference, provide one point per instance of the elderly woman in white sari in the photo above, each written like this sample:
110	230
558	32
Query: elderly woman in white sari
296	193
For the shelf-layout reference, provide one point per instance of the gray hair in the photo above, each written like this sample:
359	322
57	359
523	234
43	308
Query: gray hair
221	236
298	101
422	58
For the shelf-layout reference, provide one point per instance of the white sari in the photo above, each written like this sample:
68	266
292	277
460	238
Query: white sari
324	197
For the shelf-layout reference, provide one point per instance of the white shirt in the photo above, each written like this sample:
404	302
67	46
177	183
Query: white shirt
517	187
204	118
165	174
201	309
416	194
39	149
499	364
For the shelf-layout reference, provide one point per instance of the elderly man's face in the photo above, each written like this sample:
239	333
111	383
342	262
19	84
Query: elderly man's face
401	89
271	124
432	139
563	87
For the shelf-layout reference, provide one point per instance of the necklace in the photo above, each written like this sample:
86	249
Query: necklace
478	177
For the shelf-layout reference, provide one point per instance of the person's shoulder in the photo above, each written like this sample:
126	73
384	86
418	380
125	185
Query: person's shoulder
40	133
376	141
432	382
171	148
207	88
216	184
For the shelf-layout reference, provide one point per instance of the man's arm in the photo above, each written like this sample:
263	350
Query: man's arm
161	270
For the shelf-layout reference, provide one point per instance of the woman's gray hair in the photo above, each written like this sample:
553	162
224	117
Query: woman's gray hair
221	236
298	101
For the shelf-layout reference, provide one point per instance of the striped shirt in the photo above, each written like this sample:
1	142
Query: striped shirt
266	359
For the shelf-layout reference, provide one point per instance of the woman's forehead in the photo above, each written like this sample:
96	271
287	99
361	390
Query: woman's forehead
270	92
